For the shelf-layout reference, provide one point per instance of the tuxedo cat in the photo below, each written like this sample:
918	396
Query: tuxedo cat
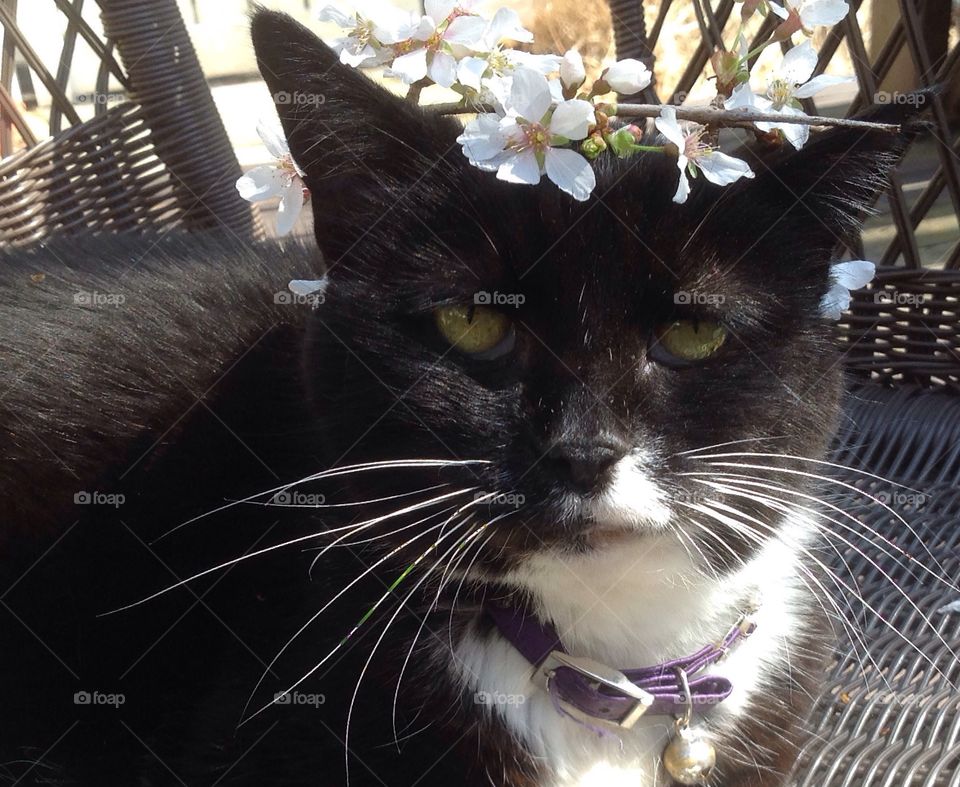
508	420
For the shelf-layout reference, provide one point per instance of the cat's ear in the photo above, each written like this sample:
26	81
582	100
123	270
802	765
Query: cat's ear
362	149
820	194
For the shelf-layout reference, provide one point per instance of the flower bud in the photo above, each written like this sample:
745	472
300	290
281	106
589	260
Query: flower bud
627	76
622	141
572	72
592	147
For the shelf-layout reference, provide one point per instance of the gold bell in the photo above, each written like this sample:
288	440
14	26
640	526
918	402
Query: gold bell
689	758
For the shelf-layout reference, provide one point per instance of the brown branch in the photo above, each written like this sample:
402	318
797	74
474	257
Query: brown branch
703	115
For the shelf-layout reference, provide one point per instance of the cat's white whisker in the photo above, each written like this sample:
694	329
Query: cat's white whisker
288	543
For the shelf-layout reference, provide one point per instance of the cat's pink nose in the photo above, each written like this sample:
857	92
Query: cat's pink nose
586	466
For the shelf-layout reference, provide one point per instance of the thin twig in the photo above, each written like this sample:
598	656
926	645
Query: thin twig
704	115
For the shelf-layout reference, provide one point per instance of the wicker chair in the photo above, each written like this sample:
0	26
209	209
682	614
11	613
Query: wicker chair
158	160
889	718
889	713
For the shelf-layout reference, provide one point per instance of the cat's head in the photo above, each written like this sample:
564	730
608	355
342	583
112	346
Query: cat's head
587	356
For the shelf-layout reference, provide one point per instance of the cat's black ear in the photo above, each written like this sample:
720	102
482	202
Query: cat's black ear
820	194
361	147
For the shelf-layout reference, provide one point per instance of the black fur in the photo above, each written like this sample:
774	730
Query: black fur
199	389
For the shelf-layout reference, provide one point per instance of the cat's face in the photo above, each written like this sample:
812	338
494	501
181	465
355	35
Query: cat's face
580	355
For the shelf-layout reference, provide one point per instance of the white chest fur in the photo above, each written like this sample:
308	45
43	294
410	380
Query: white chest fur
634	605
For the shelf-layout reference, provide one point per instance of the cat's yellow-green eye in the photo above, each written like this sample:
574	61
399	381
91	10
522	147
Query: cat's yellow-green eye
476	330
690	340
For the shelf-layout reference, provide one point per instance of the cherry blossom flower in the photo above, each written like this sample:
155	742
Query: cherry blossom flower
368	30
844	277
807	14
284	179
572	71
694	154
627	76
447	30
492	60
790	82
527	141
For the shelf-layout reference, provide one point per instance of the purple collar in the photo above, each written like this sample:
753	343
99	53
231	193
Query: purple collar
593	692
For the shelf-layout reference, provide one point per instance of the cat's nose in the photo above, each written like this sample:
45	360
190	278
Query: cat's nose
586	465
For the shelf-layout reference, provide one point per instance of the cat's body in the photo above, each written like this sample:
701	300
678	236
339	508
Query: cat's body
560	476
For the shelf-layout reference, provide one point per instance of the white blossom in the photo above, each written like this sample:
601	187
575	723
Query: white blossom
844	277
627	76
694	155
813	13
369	31
528	139
790	82
572	71
447	31
283	179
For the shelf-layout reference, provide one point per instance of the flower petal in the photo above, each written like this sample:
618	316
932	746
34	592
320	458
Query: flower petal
482	138
411	67
798	64
853	274
261	183
822	12
835	302
530	95
291	203
443	69
627	76
467	31
271	132
572	119
667	125
350	55
521	168
572	71
305	287
543	64
438	10
819	83
470	72
683	186
506	24
721	169
779	10
571	172
336	14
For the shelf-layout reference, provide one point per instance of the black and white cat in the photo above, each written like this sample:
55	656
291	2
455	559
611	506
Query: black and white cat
594	454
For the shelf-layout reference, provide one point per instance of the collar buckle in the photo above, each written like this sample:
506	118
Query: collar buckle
602	675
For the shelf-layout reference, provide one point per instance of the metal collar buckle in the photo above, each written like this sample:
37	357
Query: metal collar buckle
599	674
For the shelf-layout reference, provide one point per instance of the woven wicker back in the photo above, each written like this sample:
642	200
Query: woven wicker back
907	328
160	159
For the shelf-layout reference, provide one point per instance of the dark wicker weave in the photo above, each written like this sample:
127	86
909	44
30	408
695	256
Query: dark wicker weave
889	715
162	159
